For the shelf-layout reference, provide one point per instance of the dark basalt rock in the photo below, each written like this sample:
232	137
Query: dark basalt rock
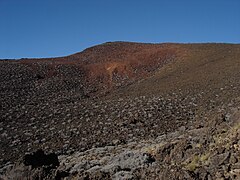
39	158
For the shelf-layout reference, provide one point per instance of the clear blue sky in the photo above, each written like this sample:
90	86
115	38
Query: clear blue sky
48	28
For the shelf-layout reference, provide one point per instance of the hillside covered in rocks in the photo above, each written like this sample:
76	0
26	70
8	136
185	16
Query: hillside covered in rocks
123	111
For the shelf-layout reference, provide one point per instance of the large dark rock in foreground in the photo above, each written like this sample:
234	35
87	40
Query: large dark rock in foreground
39	159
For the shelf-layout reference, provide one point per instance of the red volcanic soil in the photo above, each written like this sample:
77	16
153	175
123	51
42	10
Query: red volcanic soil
110	65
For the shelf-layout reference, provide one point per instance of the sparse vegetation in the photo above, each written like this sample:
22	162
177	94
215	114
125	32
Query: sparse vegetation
173	107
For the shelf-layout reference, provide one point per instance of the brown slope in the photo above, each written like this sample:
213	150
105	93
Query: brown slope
206	66
111	65
41	99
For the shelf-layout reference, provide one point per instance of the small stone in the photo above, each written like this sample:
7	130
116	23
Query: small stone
116	142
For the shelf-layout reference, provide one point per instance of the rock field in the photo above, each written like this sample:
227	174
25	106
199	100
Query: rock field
108	114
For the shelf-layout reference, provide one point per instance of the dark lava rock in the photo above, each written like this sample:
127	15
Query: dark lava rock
39	158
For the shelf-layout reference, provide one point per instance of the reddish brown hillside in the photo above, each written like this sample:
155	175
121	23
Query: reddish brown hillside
111	65
189	107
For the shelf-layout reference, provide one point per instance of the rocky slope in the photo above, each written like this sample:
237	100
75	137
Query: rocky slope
124	111
210	151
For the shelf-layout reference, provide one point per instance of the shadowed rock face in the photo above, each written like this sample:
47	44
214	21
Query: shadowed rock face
39	159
